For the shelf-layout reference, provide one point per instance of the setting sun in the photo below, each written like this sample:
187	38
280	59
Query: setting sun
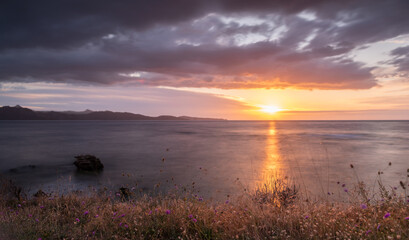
270	109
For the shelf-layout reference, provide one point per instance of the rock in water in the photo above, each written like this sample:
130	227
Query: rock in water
40	194
88	163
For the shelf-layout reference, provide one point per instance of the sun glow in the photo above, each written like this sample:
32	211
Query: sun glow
270	109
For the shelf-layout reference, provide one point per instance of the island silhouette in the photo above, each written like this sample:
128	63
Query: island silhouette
20	113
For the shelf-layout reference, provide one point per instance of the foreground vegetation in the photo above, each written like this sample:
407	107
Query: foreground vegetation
274	211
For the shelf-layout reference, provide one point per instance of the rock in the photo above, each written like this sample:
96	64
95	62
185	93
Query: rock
40	194
88	163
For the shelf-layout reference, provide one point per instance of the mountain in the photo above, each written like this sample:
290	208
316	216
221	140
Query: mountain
21	113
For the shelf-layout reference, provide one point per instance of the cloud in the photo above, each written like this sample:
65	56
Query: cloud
217	44
401	58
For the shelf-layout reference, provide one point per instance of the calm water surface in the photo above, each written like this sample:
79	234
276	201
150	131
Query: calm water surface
221	158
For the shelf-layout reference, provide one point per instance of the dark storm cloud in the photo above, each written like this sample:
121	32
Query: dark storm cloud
195	43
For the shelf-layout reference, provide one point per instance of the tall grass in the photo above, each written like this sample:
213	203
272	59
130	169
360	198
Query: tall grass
274	210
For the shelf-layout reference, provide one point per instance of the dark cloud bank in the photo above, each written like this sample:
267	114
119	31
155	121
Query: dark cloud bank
184	43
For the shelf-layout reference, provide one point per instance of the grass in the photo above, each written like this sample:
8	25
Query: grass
273	211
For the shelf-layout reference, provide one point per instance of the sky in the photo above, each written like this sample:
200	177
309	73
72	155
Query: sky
232	59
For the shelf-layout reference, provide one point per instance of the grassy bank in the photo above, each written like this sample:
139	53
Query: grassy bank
271	212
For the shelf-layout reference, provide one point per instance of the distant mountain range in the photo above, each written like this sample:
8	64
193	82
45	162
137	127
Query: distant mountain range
21	113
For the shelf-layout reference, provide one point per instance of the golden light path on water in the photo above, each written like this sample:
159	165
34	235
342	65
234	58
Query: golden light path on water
272	166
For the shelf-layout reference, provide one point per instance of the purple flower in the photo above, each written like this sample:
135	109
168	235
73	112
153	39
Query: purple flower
41	207
126	226
96	216
406	218
37	220
387	215
150	212
306	217
77	219
343	185
368	232
123	215
363	206
120	224
227	201
194	220
190	216
19	205
377	228
39	239
86	212
200	199
168	211
93	233
345	190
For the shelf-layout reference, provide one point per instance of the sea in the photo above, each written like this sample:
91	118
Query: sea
212	159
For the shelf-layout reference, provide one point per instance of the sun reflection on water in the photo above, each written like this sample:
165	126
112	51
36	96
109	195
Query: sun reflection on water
272	164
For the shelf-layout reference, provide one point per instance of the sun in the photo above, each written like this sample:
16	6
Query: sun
269	109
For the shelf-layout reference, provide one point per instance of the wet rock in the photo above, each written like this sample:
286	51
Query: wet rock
88	163
40	194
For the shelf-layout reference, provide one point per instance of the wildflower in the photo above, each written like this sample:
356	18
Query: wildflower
96	216
406	218
387	215
37	220
227	201
29	215
39	239
41	207
200	199
343	185
93	233
126	226
150	212
19	205
83	203
363	206
190	216
345	190
379	225
123	215
306	217
120	224
368	232
77	220
194	220
168	211
85	213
